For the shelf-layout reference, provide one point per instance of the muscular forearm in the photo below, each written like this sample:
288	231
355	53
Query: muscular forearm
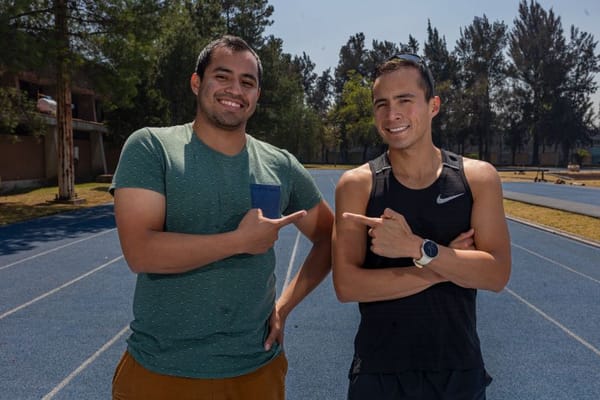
472	268
171	253
365	285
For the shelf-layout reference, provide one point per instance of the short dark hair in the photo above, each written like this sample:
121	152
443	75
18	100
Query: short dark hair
401	60
234	43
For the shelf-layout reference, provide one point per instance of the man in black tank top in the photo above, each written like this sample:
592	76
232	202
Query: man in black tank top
418	230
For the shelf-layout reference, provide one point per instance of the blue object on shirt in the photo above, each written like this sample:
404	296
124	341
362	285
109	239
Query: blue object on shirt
266	197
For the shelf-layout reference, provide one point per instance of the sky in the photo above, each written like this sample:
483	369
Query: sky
321	27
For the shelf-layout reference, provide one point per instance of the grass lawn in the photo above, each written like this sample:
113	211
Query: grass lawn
33	203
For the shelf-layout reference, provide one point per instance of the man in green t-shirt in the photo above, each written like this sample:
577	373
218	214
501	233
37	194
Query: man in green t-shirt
198	210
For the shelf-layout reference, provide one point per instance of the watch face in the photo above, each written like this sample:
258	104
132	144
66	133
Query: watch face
430	248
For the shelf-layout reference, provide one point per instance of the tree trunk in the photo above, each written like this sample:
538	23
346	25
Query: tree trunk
535	155
64	118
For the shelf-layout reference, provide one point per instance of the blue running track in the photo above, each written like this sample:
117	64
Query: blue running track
66	293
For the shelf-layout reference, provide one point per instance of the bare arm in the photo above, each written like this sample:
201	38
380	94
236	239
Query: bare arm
489	266
351	281
140	217
485	267
316	226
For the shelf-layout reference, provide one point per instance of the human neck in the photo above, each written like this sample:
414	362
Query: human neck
228	142
416	169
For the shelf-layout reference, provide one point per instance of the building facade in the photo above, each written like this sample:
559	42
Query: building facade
27	160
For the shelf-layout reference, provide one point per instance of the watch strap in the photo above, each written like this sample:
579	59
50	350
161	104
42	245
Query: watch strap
425	259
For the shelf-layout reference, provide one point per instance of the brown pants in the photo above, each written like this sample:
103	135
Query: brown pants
134	382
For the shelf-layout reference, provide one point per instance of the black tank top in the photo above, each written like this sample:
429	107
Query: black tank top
436	328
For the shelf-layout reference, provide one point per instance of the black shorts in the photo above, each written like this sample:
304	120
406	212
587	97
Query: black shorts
420	385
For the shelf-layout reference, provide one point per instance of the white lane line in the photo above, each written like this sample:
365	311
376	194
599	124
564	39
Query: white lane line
43	296
85	364
332	182
555	322
557	263
553	231
55	249
288	275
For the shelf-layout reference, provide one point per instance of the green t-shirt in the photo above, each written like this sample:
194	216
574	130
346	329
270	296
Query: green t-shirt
210	322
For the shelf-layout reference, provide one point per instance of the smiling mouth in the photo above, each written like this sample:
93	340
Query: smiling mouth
231	103
398	129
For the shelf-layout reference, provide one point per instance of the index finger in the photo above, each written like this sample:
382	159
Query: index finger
368	221
291	218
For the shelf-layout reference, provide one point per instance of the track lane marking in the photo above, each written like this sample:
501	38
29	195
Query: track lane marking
55	249
85	364
288	274
557	263
555	322
59	288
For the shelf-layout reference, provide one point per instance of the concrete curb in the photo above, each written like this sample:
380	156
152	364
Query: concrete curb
571	206
555	231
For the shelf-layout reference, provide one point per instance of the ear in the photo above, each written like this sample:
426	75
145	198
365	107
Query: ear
435	104
195	83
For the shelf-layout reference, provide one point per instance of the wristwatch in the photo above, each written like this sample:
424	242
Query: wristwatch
429	251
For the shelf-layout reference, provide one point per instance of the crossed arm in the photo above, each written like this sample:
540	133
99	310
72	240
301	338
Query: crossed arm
140	216
486	265
147	248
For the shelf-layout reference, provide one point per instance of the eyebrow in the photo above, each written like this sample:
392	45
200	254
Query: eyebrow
395	97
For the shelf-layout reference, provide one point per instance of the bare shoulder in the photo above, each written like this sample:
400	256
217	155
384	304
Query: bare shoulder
353	189
355	180
480	172
356	176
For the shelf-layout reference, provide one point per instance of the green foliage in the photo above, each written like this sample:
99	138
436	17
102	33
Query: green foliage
280	110
380	52
147	108
356	109
539	93
320	96
106	40
182	38
109	39
247	19
482	71
412	46
540	62
512	111
354	115
443	66
573	111
579	155
18	114
22	29
353	57
306	69
110	43
140	54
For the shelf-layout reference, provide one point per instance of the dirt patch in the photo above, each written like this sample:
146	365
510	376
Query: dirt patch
578	176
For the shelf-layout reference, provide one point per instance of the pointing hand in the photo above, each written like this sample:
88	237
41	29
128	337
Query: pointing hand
260	233
390	234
